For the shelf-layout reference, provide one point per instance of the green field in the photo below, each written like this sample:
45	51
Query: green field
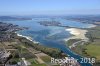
93	50
46	58
94	46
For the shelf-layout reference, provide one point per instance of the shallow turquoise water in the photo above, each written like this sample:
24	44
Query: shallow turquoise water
51	36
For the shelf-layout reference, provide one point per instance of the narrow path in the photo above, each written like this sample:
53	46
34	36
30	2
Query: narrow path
75	43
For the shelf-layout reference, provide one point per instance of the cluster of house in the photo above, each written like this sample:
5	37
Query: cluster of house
4	55
6	29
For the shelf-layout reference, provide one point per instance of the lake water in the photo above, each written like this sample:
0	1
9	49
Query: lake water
51	36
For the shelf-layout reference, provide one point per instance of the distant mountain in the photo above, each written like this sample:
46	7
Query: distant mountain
5	18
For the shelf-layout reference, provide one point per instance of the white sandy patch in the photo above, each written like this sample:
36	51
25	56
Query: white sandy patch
27	37
92	25
78	34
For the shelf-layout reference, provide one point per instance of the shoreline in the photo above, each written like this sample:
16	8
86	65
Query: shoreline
27	37
92	26
78	33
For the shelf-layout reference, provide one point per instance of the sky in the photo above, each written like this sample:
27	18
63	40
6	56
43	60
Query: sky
49	7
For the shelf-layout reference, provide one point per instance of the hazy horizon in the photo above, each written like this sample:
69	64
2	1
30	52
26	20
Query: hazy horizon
49	7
